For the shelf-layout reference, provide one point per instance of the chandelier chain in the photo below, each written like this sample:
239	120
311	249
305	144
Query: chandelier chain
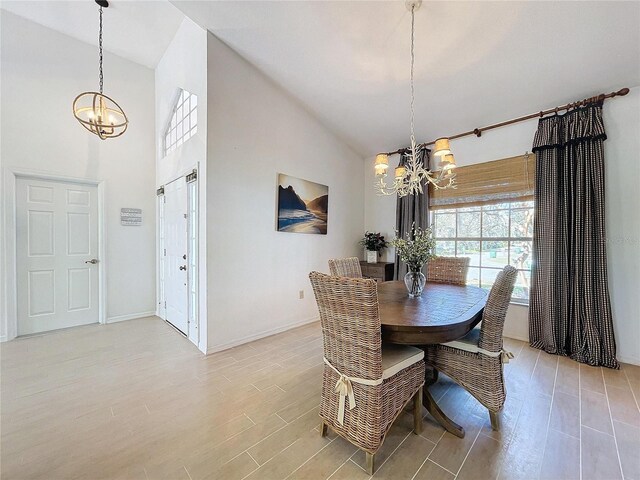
101	75
413	57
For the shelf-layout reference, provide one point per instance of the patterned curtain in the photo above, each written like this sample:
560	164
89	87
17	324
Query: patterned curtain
410	209
570	312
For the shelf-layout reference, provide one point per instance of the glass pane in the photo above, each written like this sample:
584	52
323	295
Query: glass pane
473	277
182	95
495	254
495	223
173	121
521	254
179	142
194	101
469	209
528	204
469	224
194	118
446	249
488	276
471	250
179	113
522	223
497	206
173	136
193	131
445	225
523	283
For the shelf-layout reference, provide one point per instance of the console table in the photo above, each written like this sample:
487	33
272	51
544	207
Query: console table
380	272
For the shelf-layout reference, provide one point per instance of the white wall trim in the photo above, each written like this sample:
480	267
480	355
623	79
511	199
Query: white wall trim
632	361
130	316
263	334
9	294
516	337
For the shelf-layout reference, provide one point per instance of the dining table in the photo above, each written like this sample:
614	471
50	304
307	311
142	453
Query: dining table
442	313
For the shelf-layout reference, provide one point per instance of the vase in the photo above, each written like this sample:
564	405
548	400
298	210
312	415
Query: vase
372	256
414	280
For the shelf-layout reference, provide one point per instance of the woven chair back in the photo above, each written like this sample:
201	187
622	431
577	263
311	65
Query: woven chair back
451	270
350	324
345	267
495	310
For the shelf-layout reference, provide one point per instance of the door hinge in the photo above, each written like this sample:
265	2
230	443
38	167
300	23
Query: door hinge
165	252
165	304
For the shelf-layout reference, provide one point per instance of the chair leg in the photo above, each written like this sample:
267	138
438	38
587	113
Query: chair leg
370	462
417	412
495	420
323	429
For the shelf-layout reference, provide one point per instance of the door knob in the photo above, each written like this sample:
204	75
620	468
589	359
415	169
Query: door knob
93	261
183	267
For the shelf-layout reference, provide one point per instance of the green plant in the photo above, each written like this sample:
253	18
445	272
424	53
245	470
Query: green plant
373	242
417	248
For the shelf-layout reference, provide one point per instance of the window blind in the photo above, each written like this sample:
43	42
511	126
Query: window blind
488	183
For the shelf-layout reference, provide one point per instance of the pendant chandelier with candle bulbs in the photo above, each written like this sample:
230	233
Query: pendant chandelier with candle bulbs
95	111
410	176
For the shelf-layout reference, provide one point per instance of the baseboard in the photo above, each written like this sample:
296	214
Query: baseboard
632	361
3	338
517	337
258	336
130	316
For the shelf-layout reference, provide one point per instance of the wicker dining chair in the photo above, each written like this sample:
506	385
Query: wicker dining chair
475	360
365	385
345	267
448	270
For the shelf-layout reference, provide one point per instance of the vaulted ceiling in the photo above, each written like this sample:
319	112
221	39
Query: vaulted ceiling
139	31
477	62
347	62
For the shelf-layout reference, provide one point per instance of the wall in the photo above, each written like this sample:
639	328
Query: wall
622	154
256	130
42	72
184	66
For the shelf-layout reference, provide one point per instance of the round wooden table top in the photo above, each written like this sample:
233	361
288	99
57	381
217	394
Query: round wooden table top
441	314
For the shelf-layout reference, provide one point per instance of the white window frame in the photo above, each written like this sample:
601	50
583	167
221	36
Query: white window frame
508	239
183	122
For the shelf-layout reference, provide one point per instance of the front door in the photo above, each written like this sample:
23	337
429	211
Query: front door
175	239
57	255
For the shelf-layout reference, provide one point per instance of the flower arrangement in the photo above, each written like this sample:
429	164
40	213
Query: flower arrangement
374	242
416	249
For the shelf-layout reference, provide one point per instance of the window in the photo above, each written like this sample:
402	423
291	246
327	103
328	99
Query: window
492	236
184	122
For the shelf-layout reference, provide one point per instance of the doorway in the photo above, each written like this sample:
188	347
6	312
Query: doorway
57	255
177	235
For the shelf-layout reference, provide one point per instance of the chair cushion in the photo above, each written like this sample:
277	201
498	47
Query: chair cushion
469	342
398	357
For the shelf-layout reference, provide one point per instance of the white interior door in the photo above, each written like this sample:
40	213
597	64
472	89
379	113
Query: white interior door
175	238
57	255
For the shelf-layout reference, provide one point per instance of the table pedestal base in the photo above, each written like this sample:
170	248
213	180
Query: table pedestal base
431	377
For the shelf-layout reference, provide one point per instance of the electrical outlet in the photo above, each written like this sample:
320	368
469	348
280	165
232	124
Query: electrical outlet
301	294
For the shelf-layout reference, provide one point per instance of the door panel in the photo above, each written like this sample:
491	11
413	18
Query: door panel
57	232
175	238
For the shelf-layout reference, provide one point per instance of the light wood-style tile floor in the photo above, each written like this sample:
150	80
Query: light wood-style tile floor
136	400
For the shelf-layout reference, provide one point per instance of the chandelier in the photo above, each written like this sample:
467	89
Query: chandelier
95	111
410	176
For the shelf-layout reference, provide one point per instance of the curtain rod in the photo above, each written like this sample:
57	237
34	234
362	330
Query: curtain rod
478	131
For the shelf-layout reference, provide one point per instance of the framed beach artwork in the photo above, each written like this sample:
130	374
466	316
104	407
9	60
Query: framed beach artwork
302	205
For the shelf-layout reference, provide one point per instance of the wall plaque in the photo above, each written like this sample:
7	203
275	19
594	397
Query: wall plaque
131	216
